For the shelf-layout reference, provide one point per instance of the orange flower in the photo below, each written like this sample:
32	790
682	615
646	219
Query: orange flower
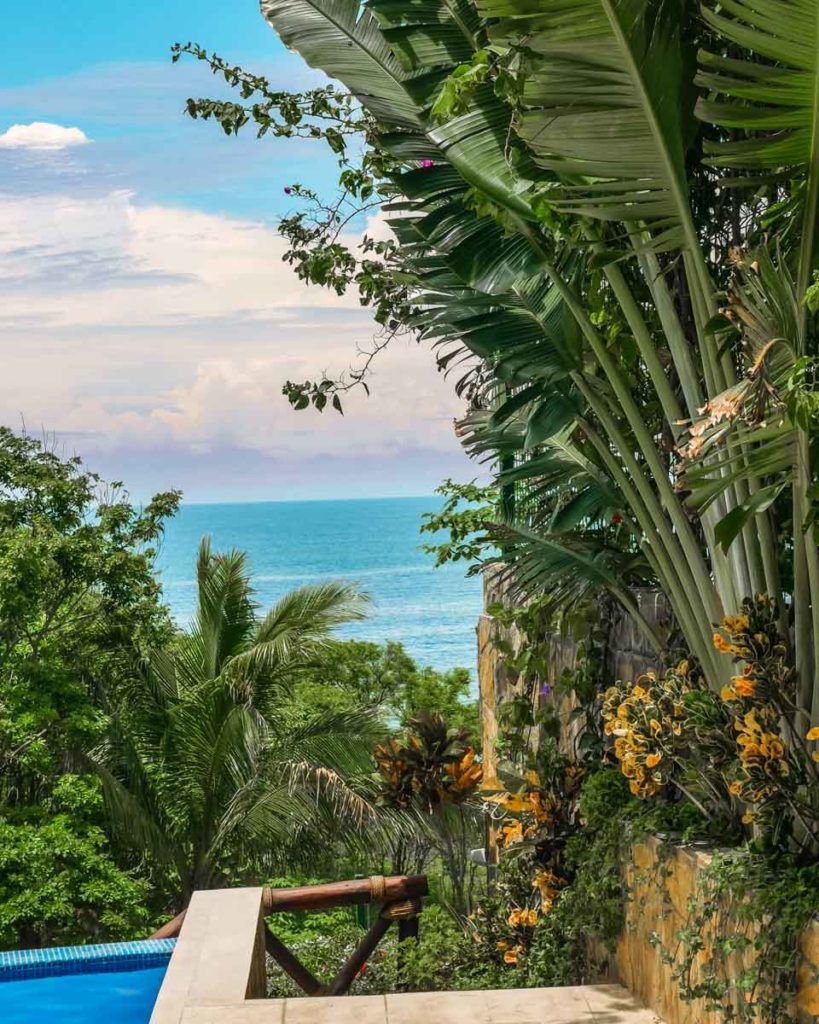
653	760
721	643
744	687
510	956
512	833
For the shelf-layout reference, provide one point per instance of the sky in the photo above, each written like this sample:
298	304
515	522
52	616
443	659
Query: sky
147	319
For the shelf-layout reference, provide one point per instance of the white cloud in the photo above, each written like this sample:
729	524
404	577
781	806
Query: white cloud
150	328
42	135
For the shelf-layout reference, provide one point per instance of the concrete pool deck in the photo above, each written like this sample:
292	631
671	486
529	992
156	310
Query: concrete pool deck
217	976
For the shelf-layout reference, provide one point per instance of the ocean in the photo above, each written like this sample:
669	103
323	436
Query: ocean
373	542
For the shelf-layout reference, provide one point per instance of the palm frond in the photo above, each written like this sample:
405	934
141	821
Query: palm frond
294	632
343	40
602	106
772	96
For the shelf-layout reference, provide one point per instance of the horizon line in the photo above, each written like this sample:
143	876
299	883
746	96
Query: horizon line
304	501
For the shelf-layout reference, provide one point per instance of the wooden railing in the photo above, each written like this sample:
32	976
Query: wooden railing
399	898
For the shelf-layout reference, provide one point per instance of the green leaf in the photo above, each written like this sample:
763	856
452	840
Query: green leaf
604	105
548	419
772	96
345	42
732	524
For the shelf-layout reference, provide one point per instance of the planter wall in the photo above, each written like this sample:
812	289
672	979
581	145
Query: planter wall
661	882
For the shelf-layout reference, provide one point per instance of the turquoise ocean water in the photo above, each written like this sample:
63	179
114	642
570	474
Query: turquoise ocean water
374	542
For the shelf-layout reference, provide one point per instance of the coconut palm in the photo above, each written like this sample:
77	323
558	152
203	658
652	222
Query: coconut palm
610	207
203	771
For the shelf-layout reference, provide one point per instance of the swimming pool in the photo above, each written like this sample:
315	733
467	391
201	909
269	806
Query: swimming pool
104	984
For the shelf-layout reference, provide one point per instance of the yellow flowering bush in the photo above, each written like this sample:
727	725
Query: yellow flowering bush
532	822
524	815
773	762
647	723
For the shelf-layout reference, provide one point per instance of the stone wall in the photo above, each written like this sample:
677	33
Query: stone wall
660	886
628	655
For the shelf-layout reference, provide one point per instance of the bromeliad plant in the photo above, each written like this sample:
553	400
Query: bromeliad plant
605	216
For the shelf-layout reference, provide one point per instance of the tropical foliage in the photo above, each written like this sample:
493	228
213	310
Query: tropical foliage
605	217
78	598
201	772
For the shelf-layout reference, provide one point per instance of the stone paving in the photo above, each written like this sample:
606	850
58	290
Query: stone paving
592	1004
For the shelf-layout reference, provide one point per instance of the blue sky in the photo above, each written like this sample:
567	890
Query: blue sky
148	321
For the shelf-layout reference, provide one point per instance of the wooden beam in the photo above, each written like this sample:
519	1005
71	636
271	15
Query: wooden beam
347	975
288	962
325	897
344	894
171	928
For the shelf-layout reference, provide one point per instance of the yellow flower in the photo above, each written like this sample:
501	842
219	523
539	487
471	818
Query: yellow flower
748	817
656	728
515	918
512	833
515	802
744	687
813	734
728	693
503	944
735	623
735	788
683	667
638	693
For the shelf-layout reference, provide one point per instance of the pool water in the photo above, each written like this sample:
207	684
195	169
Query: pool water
110	997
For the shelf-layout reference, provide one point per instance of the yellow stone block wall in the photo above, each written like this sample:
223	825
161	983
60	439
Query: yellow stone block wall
660	886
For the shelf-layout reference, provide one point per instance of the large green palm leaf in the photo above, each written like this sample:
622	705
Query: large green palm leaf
344	41
603	106
772	97
429	33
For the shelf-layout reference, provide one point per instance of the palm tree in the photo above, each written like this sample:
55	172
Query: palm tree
202	770
623	242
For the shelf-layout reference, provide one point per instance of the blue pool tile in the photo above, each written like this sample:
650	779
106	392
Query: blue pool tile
113	956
